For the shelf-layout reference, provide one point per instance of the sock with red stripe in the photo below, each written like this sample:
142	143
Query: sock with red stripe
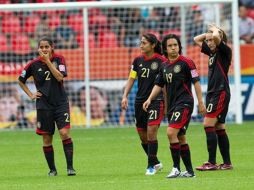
211	140
68	150
152	153
175	153
49	155
223	143
186	157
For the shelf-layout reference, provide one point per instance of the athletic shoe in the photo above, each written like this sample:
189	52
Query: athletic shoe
207	166
154	169
174	173
225	167
71	172
52	173
187	174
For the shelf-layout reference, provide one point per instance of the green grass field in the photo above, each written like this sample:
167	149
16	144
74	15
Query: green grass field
112	159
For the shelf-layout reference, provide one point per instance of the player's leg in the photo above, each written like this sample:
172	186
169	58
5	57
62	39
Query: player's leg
46	128
155	115
62	117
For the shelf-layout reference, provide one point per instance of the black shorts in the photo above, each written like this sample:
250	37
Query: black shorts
153	116
48	119
179	118
217	105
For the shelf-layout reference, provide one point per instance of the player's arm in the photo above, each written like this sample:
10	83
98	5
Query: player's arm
165	100
199	39
198	91
155	92
57	74
127	89
24	87
217	33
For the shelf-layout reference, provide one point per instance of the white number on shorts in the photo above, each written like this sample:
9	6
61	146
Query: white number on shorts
176	115
209	107
67	119
153	114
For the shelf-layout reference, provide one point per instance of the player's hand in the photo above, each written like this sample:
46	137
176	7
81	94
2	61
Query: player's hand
124	103
146	104
36	95
201	109
44	56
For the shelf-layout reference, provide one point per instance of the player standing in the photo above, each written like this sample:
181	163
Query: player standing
176	76
52	104
213	44
145	68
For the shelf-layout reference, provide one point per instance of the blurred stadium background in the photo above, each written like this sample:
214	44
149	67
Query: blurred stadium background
99	40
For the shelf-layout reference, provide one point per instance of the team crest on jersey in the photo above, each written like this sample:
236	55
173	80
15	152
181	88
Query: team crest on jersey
154	66
210	62
177	69
23	74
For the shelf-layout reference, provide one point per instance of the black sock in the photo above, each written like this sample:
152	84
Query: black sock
145	147
152	153
223	143
175	153
68	150
49	155
211	140
186	157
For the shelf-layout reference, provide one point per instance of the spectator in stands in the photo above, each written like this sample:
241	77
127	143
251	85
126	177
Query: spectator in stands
246	26
134	28
195	26
65	35
247	3
43	29
9	103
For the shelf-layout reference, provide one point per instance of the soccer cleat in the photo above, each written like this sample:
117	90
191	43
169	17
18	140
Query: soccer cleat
187	174
225	167
174	173
71	172
52	173
154	169
207	166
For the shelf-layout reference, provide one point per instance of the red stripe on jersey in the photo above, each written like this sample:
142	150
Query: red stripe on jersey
158	121
222	71
31	62
187	89
219	107
189	62
183	122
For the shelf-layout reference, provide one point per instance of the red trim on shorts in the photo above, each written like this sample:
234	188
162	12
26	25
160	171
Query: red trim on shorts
140	129
67	126
219	107
41	132
183	122
158	121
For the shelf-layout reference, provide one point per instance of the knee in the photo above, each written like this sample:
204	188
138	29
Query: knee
64	134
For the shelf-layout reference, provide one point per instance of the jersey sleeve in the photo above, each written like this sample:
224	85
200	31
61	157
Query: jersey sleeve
225	49
205	49
159	78
62	66
133	71
193	71
26	73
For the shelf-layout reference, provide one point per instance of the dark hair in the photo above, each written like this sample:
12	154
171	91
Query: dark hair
153	40
164	43
45	38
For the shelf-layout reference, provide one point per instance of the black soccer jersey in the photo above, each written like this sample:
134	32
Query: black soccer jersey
178	76
218	65
53	93
145	70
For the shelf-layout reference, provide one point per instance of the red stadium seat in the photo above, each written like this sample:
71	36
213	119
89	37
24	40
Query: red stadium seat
76	22
11	24
98	20
107	39
31	23
54	21
173	31
20	44
3	43
251	13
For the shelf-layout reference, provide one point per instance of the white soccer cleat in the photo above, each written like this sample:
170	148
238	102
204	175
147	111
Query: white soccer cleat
158	167
150	171
187	174
174	173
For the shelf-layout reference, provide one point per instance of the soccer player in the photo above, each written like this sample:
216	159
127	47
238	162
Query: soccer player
213	44
145	68
177	75
48	71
